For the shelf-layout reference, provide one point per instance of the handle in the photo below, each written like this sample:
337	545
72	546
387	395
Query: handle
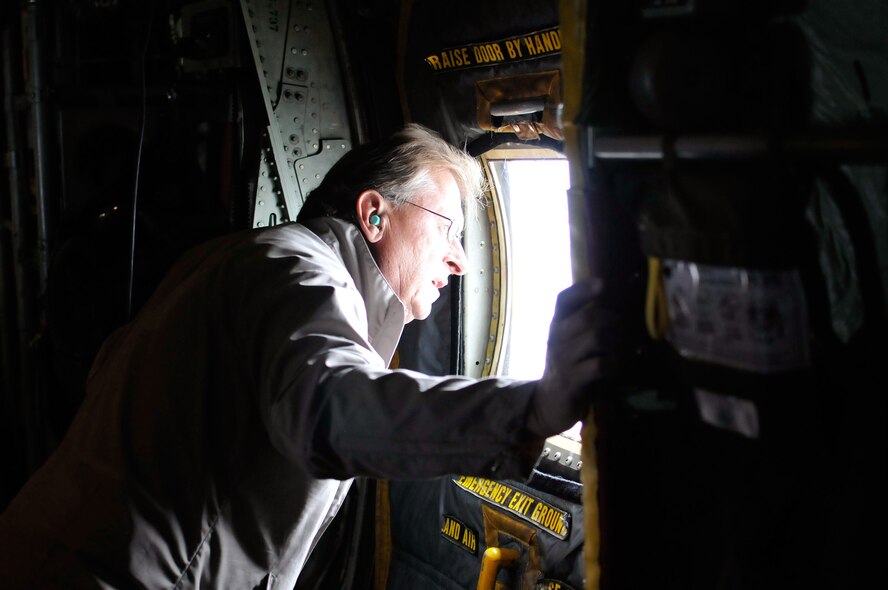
494	558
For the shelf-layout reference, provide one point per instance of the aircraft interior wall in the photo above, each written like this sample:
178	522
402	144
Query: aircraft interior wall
729	161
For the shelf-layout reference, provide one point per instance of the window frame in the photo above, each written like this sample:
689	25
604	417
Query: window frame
486	288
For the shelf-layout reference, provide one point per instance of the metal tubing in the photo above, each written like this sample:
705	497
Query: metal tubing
42	150
353	99
33	387
18	205
524	106
742	147
21	397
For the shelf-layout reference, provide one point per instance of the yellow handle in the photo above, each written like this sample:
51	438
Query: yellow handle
494	558
656	311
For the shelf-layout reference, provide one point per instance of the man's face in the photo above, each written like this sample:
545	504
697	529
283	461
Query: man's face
417	254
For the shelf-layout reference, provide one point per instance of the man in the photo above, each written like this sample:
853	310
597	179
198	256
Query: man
222	426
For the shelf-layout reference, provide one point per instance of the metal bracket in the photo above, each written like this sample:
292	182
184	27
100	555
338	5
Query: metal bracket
308	131
271	207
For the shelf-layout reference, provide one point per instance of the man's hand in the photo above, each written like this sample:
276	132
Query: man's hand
588	342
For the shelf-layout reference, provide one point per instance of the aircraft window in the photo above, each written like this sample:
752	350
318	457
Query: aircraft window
519	260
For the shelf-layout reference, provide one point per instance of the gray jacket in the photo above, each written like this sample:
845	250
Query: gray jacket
221	427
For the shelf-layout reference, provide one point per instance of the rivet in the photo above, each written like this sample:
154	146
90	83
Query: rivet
305	52
302	166
261	203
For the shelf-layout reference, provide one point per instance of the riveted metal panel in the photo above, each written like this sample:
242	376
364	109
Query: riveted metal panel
271	208
308	131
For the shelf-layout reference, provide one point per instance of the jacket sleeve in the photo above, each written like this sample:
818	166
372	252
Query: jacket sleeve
401	424
330	406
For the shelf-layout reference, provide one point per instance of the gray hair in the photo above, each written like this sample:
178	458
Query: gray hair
400	167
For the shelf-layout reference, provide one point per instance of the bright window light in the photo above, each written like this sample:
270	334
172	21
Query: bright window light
520	259
540	261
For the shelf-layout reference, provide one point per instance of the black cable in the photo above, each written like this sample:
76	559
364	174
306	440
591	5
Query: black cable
132	258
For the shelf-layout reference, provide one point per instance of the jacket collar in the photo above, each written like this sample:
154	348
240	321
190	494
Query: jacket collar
385	311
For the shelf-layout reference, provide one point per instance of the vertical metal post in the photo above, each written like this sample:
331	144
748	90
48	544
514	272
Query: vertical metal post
573	30
38	91
20	315
353	99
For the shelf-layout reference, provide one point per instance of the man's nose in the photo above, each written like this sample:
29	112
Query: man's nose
456	258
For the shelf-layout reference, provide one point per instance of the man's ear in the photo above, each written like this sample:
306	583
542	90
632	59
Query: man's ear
372	210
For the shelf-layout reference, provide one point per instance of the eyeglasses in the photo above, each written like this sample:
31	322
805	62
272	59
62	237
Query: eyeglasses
450	237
